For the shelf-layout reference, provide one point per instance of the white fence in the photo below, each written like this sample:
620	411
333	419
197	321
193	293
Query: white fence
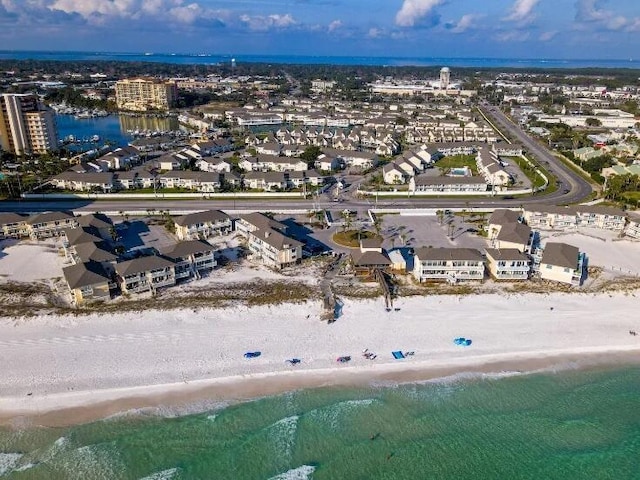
159	195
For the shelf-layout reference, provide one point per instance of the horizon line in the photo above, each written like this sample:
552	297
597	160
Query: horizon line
200	54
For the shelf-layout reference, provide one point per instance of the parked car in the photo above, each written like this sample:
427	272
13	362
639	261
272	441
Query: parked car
252	354
343	359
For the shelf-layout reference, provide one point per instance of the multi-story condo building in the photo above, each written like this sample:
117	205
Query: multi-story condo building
563	218
562	263
508	264
267	240
145	274
202	225
450	264
26	125
142	94
49	224
191	258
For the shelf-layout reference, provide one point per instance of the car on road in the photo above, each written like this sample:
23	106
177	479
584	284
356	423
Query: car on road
252	354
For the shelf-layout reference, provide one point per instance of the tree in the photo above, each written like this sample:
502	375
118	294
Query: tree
310	155
593	122
440	215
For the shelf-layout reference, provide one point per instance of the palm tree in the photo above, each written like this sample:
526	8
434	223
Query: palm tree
440	215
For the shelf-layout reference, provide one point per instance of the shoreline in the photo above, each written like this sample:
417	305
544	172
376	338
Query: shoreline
79	407
64	370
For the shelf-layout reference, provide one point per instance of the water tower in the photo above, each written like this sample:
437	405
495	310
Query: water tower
445	77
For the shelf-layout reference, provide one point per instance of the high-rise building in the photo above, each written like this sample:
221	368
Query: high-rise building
445	78
27	126
142	94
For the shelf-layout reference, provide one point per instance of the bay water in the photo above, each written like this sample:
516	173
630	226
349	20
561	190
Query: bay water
212	58
572	424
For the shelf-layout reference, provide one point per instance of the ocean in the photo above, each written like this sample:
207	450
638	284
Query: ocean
210	59
570	424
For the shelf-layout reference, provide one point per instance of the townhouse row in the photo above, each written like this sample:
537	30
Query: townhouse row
197	181
559	262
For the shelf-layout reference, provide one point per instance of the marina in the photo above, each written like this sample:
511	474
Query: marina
114	130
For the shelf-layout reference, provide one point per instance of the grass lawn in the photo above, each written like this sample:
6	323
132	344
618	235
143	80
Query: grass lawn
535	179
458	161
632	196
351	238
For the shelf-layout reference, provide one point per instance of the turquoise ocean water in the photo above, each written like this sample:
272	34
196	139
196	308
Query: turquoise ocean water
568	425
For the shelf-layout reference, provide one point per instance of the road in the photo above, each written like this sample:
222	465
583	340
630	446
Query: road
572	188
578	187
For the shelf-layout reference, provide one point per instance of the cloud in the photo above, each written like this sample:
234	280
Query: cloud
103	11
522	11
268	22
336	24
546	36
375	32
465	23
413	11
590	12
512	36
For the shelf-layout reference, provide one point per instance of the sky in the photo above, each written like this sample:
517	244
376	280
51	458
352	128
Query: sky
555	29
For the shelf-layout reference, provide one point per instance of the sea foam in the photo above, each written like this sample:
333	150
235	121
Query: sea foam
163	475
8	462
301	473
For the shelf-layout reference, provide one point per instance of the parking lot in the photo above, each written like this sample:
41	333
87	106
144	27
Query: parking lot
425	231
139	235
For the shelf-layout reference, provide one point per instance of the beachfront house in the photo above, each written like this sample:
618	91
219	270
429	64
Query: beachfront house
13	225
267	240
370	257
450	264
508	264
49	224
571	218
87	282
563	263
631	230
205	224
191	258
505	231
145	274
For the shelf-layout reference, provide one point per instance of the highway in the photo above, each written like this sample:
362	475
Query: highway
578	188
572	188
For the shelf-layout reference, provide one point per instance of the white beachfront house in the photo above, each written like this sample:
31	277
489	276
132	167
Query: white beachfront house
506	231
567	218
562	263
205	224
267	240
450	264
508	264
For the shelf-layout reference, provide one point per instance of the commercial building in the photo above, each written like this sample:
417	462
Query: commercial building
27	126
142	94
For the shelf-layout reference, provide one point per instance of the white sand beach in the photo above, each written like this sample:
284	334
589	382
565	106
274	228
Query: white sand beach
62	370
